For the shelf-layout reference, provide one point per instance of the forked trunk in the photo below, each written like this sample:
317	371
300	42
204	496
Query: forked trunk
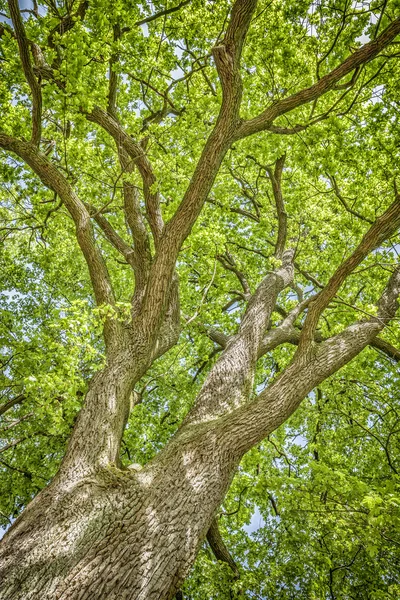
134	535
119	534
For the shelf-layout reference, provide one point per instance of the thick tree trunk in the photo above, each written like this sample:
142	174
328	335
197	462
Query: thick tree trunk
99	532
108	533
119	534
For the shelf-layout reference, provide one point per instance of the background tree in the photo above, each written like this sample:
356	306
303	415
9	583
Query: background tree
199	210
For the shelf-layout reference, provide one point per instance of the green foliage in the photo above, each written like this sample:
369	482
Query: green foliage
325	486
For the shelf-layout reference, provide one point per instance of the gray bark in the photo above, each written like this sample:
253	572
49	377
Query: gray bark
100	532
134	535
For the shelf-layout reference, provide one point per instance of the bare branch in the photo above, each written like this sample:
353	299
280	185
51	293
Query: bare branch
238	211
142	253
216	336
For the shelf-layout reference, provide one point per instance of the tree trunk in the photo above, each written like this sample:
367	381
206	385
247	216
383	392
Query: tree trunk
108	533
119	533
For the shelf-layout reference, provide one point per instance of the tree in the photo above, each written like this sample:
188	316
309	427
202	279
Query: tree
228	174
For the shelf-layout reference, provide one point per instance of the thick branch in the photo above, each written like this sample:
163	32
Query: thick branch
227	57
229	383
23	45
308	369
217	544
171	326
138	158
285	333
276	180
365	54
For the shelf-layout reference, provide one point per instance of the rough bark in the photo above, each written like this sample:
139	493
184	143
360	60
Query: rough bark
100	532
122	534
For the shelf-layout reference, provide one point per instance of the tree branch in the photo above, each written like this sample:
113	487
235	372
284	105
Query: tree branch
361	56
342	200
67	22
138	158
229	263
384	346
276	180
380	230
53	179
162	13
112	75
217	544
23	45
112	236
277	402
17	400
229	383
227	57
142	252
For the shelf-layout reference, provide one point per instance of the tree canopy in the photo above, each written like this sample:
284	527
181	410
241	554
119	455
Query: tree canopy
313	510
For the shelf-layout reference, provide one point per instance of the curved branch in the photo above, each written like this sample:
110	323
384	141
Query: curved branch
360	57
53	179
23	45
229	263
135	222
217	544
380	230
